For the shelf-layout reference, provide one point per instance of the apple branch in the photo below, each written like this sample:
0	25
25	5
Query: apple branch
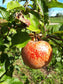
26	3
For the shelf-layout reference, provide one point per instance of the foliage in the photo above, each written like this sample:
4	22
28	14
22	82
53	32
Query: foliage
14	35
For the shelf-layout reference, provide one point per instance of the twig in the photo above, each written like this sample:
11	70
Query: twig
26	3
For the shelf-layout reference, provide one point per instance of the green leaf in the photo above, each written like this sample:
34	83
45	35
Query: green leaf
14	4
52	4
54	28
61	28
34	26
1	41
41	5
9	80
2	67
20	39
57	30
15	81
5	14
35	13
59	34
4	28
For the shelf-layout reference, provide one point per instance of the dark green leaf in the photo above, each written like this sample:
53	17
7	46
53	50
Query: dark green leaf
4	28
1	41
20	39
61	28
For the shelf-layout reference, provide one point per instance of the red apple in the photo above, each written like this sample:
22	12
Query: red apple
37	54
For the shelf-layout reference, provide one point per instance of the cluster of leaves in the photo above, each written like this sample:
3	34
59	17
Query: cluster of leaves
14	34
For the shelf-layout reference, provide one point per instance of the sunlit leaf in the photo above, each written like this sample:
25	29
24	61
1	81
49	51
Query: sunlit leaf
9	80
5	14
40	4
34	23
55	4
15	81
2	68
14	4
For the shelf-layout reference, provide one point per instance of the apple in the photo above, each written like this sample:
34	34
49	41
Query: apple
37	54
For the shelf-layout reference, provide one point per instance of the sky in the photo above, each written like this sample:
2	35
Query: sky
52	11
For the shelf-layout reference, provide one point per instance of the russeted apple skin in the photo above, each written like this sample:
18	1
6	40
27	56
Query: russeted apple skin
37	54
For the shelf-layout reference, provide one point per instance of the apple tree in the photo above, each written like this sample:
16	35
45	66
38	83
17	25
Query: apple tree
23	23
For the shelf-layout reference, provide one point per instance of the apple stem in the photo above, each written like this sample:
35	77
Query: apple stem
35	37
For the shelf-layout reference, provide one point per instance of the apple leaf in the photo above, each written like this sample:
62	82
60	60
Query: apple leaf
5	14
59	32
9	80
43	8
20	39
40	4
14	4
34	23
15	81
1	41
52	4
2	68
